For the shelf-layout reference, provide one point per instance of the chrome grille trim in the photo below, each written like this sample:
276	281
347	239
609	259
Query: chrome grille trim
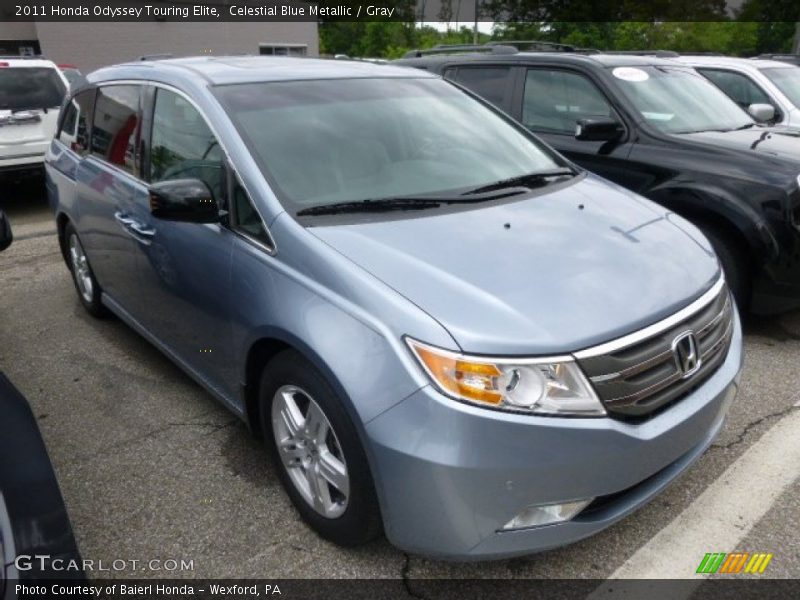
656	328
643	372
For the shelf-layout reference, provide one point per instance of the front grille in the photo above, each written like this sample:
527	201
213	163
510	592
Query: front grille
637	376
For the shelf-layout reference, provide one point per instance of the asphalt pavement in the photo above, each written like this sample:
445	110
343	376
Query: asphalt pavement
153	468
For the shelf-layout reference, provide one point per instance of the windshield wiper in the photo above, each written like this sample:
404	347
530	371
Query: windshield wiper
370	205
529	180
410	202
745	126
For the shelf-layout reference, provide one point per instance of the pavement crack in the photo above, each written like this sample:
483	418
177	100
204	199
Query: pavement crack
34	235
753	424
405	575
215	427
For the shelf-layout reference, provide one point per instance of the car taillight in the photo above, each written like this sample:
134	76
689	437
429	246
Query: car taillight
3	64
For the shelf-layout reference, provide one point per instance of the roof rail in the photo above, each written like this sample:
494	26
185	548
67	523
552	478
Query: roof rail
456	48
538	46
655	53
155	57
783	57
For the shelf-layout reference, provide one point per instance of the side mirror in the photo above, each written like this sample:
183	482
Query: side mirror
761	112
598	129
5	232
187	200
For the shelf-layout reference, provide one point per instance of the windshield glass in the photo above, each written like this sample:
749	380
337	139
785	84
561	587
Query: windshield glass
679	100
330	141
787	80
30	87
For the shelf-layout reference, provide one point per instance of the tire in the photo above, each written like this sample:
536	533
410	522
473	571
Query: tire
347	515
86	285
736	264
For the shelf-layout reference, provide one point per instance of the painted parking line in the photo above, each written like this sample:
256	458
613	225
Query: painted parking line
720	517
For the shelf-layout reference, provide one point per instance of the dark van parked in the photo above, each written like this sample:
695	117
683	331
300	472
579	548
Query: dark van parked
660	129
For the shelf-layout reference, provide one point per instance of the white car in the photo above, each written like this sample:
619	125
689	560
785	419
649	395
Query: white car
755	82
31	93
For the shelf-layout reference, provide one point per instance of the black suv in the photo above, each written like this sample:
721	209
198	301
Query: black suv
659	128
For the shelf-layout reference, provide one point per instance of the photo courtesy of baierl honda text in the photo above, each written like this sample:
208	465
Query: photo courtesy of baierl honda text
413	298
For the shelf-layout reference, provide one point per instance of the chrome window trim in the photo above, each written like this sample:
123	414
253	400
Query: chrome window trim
171	88
233	223
656	328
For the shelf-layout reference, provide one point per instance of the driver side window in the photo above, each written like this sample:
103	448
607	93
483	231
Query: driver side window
183	145
554	101
738	87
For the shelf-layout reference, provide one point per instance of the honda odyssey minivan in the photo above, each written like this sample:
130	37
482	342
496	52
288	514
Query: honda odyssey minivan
443	329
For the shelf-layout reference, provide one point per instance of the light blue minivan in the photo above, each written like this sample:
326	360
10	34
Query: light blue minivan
443	329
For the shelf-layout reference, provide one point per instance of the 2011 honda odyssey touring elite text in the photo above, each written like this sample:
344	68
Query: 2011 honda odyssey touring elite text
442	328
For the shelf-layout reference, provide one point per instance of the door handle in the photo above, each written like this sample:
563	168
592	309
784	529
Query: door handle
123	218
137	231
140	229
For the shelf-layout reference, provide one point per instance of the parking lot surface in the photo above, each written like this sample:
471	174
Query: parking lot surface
152	467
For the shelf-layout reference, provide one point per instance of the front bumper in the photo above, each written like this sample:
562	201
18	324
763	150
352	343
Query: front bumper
450	475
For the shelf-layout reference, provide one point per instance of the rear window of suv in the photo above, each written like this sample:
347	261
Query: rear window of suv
26	88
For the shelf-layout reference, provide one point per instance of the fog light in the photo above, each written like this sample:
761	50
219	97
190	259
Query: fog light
534	516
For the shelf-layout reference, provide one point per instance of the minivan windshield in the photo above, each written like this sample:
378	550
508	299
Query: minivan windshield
787	80
327	142
679	100
27	88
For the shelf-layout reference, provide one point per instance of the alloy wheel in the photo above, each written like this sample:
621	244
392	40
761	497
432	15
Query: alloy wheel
80	268
310	451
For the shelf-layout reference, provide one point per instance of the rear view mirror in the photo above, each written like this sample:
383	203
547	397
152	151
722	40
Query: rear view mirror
761	112
5	231
187	200
598	129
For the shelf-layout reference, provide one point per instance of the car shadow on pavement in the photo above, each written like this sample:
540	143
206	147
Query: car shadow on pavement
777	328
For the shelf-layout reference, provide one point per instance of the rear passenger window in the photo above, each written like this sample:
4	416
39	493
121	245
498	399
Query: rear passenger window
77	119
183	145
491	83
115	127
555	100
70	119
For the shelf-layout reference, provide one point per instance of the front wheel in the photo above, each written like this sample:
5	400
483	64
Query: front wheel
735	263
82	276
317	452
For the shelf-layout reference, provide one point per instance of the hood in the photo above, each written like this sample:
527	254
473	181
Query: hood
781	142
556	272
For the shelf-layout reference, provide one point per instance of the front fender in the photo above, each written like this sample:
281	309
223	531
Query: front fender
716	205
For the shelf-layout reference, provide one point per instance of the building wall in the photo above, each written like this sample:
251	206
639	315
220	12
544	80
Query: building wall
92	45
14	35
25	30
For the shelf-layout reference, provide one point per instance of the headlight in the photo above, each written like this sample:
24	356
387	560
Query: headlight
551	386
